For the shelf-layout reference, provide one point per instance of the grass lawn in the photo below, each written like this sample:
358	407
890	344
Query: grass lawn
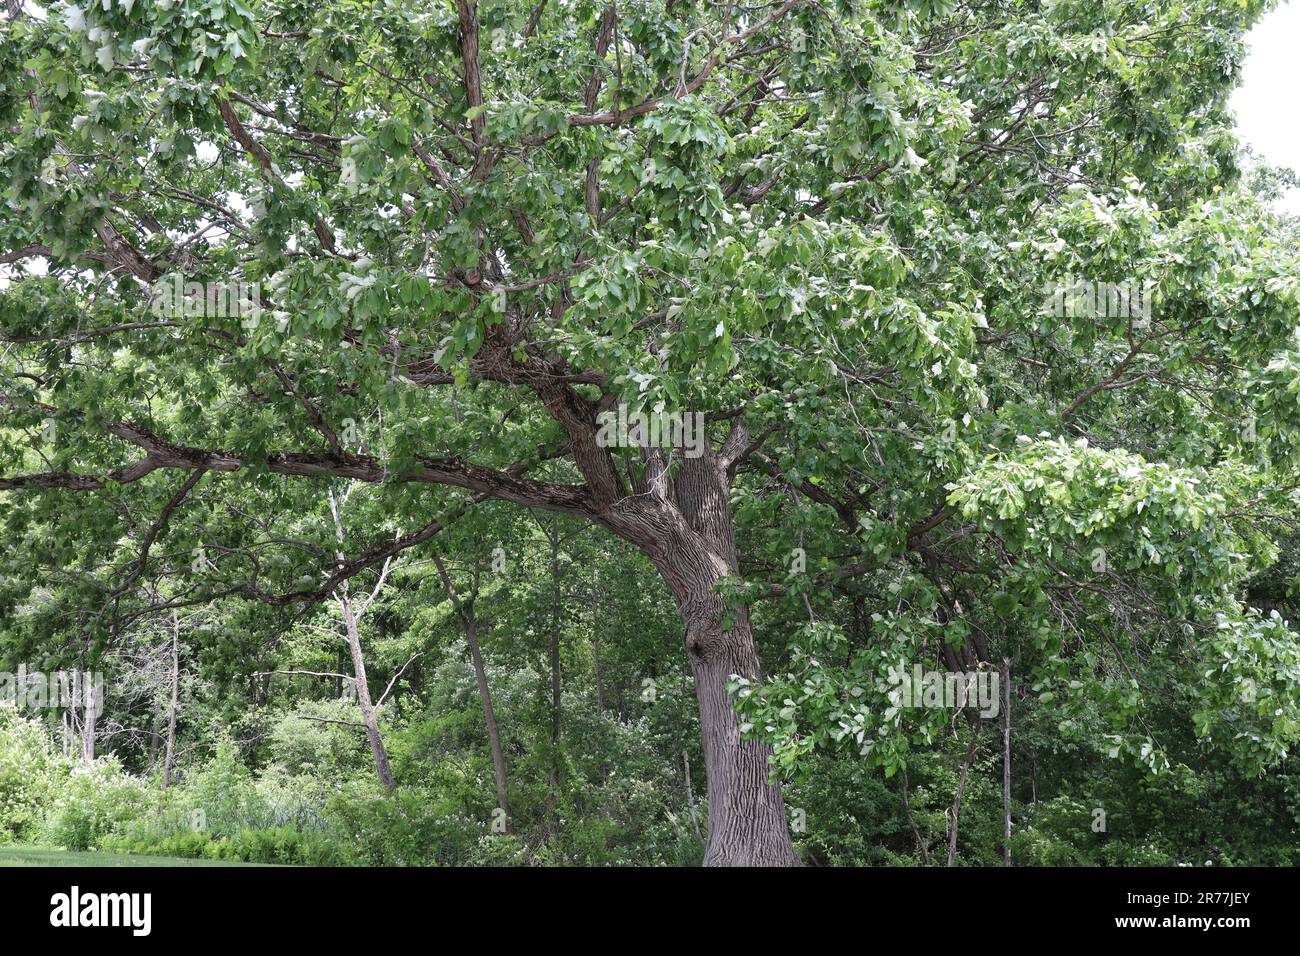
38	856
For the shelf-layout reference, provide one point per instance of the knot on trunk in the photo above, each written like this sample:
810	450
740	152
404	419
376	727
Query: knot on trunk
703	619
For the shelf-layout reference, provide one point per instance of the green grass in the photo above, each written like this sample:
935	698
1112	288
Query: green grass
38	856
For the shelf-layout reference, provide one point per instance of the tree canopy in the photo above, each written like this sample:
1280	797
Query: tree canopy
413	251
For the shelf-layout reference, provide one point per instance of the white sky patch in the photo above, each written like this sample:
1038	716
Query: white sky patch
236	204
1265	102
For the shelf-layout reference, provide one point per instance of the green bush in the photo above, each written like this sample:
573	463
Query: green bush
224	793
30	772
280	845
1056	832
291	800
277	845
190	845
500	849
413	827
94	803
316	747
1125	854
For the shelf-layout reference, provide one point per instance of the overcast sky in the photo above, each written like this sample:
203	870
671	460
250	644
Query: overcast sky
1268	100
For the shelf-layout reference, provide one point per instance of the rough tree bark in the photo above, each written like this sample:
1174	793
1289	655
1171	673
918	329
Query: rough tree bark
747	816
684	525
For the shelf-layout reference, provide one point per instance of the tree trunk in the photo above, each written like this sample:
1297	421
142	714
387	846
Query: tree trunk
553	778
600	678
747	816
382	766
595	644
956	800
170	752
911	820
489	717
465	614
88	728
352	630
689	538
1006	761
690	796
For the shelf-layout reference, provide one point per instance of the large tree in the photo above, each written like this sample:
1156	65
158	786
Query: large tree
826	227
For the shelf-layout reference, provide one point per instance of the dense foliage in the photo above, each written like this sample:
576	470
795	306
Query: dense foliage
355	526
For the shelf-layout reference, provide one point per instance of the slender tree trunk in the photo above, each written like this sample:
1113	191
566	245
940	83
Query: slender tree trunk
690	795
595	643
600	681
469	624
956	800
170	752
911	819
1006	761
553	778
1033	777
88	728
352	631
489	718
382	766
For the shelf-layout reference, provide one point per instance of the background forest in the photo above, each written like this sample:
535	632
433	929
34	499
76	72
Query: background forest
599	731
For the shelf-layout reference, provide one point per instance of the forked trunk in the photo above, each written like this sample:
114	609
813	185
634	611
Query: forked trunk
352	632
685	528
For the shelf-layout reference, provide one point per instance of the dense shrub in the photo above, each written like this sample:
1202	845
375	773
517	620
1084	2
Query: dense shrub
224	793
304	747
93	803
276	845
414	827
30	771
222	812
